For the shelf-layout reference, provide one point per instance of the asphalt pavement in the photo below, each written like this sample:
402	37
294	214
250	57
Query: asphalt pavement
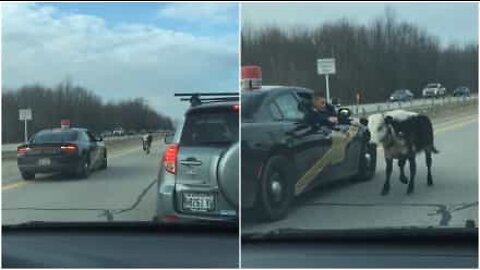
116	193
450	202
52	197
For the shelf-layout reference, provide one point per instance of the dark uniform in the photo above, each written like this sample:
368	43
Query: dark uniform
320	117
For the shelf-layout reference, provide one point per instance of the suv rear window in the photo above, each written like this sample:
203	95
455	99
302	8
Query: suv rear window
210	128
55	137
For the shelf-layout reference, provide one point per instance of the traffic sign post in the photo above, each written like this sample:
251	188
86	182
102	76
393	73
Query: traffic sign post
25	115
326	66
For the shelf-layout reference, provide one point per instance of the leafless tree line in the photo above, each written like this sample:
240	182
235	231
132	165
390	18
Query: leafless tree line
373	59
81	106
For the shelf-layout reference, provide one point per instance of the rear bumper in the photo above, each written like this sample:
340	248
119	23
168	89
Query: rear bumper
169	201
57	164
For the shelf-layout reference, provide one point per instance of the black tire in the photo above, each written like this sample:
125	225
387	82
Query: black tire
269	206
104	162
28	175
367	166
84	168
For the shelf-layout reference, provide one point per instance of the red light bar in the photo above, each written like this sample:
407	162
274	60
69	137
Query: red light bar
236	107
65	123
251	77
251	72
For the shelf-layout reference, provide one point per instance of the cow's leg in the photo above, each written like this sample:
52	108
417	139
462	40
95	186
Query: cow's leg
386	185
428	158
401	165
413	171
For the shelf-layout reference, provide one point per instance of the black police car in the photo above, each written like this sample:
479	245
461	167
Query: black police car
283	155
75	151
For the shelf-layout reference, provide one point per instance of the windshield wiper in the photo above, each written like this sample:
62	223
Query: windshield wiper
370	234
143	226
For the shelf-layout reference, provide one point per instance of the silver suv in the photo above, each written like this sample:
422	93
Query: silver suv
434	90
198	177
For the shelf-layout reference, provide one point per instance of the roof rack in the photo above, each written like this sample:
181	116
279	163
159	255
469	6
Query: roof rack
198	98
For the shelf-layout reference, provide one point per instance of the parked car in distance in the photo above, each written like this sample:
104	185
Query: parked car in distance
400	95
434	90
461	91
118	132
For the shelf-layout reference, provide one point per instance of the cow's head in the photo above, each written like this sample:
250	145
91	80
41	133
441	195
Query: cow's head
381	128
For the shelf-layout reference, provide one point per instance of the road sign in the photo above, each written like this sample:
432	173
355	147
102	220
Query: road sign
25	114
326	66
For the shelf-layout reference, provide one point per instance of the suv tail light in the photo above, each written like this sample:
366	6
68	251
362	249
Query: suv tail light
22	150
70	149
170	158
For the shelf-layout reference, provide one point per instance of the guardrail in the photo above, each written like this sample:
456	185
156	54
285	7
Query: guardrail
365	109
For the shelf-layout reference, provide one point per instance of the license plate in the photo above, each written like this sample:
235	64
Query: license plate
44	162
198	202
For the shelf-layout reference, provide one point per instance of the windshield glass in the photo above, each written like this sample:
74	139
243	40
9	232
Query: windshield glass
113	69
400	92
55	137
331	173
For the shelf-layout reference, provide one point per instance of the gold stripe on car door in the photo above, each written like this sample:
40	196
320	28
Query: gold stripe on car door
334	155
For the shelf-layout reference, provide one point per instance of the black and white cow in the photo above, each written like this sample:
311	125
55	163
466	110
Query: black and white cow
403	134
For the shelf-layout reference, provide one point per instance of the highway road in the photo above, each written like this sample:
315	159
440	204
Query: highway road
129	172
450	202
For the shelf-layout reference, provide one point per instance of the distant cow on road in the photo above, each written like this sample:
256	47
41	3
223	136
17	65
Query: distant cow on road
403	134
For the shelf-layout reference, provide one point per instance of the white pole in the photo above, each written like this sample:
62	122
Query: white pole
26	130
327	88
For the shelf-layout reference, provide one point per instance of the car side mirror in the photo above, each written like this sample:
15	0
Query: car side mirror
168	138
99	139
344	112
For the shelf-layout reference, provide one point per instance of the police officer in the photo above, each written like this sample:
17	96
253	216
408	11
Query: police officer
322	113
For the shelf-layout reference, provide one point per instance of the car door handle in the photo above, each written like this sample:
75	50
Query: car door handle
191	162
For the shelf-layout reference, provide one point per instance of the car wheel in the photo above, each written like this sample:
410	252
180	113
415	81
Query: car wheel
27	175
104	162
276	189
368	162
84	168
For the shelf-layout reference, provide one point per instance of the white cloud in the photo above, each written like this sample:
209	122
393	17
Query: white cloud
42	44
204	12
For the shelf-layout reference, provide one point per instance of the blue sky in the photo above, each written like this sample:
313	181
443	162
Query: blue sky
123	50
150	14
